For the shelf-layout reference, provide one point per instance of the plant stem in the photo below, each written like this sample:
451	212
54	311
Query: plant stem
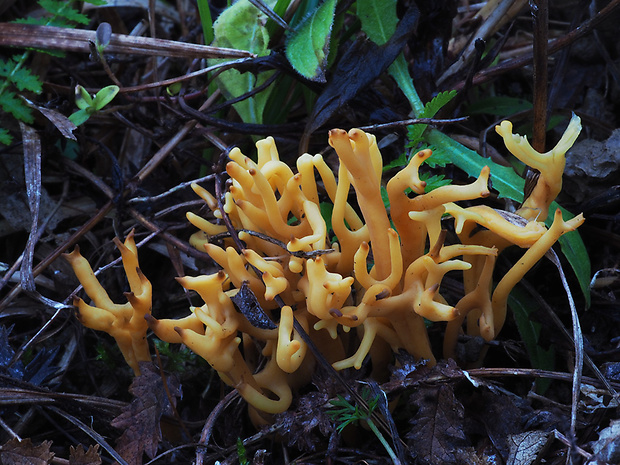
383	441
400	73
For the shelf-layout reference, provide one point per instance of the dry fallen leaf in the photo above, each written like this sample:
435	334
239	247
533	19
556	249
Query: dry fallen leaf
79	456
437	434
16	452
141	418
524	447
607	448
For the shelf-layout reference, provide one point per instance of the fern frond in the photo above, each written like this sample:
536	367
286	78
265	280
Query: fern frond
62	9
10	103
22	78
5	137
416	131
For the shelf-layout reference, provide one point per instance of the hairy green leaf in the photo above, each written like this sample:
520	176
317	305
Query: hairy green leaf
242	26
307	48
378	19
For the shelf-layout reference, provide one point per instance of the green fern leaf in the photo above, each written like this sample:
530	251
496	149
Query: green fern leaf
5	137
430	109
40	21
6	68
13	105
25	80
63	10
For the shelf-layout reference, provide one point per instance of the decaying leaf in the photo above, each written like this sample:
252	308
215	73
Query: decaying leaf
79	456
594	399
247	303
16	452
524	447
141	419
303	426
437	433
607	448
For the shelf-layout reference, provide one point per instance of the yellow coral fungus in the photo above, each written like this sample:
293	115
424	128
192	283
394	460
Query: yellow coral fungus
125	323
359	291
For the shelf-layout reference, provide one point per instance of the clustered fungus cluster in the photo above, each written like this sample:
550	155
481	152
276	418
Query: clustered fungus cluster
360	290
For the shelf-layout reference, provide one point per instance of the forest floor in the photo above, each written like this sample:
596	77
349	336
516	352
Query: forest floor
151	120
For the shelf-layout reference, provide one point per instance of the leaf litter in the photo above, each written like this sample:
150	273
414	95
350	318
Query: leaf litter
444	414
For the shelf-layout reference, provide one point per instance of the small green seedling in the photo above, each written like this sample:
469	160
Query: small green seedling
345	413
88	104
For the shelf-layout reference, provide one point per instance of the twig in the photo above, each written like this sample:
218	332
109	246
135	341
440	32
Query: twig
558	44
407	122
201	450
92	433
578	341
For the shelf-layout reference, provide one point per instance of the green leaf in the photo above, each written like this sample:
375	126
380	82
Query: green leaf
79	117
206	21
434	181
575	252
242	453
431	108
13	105
397	163
326	209
522	305
399	70
498	106
22	78
64	10
83	100
379	22
242	26
446	150
105	96
5	137
378	19
307	48
280	9
25	80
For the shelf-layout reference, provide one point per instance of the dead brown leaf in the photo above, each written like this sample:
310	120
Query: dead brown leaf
437	433
525	447
79	456
141	419
16	452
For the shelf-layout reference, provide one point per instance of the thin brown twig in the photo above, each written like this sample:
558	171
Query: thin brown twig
540	16
556	45
210	424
